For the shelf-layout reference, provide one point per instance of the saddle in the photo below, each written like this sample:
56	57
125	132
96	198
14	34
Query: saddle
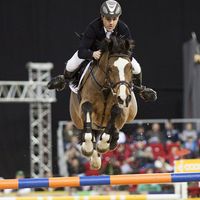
74	78
74	81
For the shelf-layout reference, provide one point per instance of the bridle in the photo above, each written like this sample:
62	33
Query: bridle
108	84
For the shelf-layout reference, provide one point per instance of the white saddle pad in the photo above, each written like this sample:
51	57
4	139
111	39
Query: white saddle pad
76	89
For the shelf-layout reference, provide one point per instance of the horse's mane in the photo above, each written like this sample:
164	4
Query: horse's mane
117	45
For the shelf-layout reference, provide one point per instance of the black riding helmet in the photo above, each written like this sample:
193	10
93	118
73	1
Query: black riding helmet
110	8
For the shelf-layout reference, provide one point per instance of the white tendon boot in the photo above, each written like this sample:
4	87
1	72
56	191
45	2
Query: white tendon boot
95	160
87	147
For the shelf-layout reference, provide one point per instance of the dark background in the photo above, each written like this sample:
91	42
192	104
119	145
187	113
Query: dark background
43	31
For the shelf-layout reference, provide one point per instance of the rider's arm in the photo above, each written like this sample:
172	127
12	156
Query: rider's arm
87	41
124	30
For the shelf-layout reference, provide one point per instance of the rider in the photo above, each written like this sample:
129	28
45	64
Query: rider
106	25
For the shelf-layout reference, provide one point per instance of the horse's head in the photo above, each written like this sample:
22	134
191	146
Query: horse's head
119	69
120	78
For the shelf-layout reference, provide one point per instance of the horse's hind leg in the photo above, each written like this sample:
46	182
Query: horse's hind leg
110	134
95	160
87	147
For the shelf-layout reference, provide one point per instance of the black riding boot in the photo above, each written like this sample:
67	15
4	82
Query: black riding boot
59	82
147	94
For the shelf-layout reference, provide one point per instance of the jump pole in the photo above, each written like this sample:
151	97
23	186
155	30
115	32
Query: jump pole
129	179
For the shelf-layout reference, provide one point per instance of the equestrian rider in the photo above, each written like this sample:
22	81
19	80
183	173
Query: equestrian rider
105	26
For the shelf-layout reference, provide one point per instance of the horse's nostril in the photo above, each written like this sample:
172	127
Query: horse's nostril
129	98
120	100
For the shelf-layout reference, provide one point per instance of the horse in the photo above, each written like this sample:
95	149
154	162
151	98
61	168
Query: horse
106	100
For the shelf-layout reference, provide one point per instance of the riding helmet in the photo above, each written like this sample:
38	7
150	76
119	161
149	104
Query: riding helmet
111	8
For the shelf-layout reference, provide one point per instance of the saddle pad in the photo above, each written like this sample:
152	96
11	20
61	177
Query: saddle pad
76	89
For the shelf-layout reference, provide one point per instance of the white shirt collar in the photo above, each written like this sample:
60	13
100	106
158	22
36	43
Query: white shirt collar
108	33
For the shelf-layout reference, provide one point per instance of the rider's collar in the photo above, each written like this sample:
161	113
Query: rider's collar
108	33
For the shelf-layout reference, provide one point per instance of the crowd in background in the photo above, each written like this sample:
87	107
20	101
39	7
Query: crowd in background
142	148
151	148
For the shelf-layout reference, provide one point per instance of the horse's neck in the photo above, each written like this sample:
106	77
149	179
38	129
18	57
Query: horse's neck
97	72
103	63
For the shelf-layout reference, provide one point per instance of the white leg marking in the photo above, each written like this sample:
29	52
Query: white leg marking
88	146
88	117
95	160
103	144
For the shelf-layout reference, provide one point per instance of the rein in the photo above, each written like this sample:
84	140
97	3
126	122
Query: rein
111	86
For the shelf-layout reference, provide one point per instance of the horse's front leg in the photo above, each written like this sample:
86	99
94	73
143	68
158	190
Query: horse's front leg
108	139
87	147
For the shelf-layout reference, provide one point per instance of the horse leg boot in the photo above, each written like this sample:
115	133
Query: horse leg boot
107	140
87	146
95	158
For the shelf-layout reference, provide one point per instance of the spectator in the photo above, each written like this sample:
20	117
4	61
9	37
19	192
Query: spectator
122	154
172	155
73	142
138	135
110	165
75	161
143	155
162	165
75	167
170	133
189	132
192	145
72	152
69	132
189	138
155	135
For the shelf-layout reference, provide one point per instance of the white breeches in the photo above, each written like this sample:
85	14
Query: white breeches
136	66
74	62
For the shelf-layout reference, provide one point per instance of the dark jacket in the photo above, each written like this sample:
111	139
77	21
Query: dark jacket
95	33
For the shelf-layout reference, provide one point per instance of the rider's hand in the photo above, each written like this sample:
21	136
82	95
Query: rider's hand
96	54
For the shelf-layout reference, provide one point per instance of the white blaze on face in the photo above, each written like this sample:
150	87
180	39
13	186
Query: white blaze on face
120	63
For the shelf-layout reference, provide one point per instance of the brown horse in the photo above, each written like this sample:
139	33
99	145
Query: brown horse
105	101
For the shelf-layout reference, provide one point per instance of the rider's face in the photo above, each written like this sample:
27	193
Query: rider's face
110	22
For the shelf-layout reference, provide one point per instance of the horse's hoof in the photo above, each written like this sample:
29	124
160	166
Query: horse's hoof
87	147
95	162
86	153
103	145
103	150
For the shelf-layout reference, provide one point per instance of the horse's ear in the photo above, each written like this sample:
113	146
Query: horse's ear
104	59
129	44
104	45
